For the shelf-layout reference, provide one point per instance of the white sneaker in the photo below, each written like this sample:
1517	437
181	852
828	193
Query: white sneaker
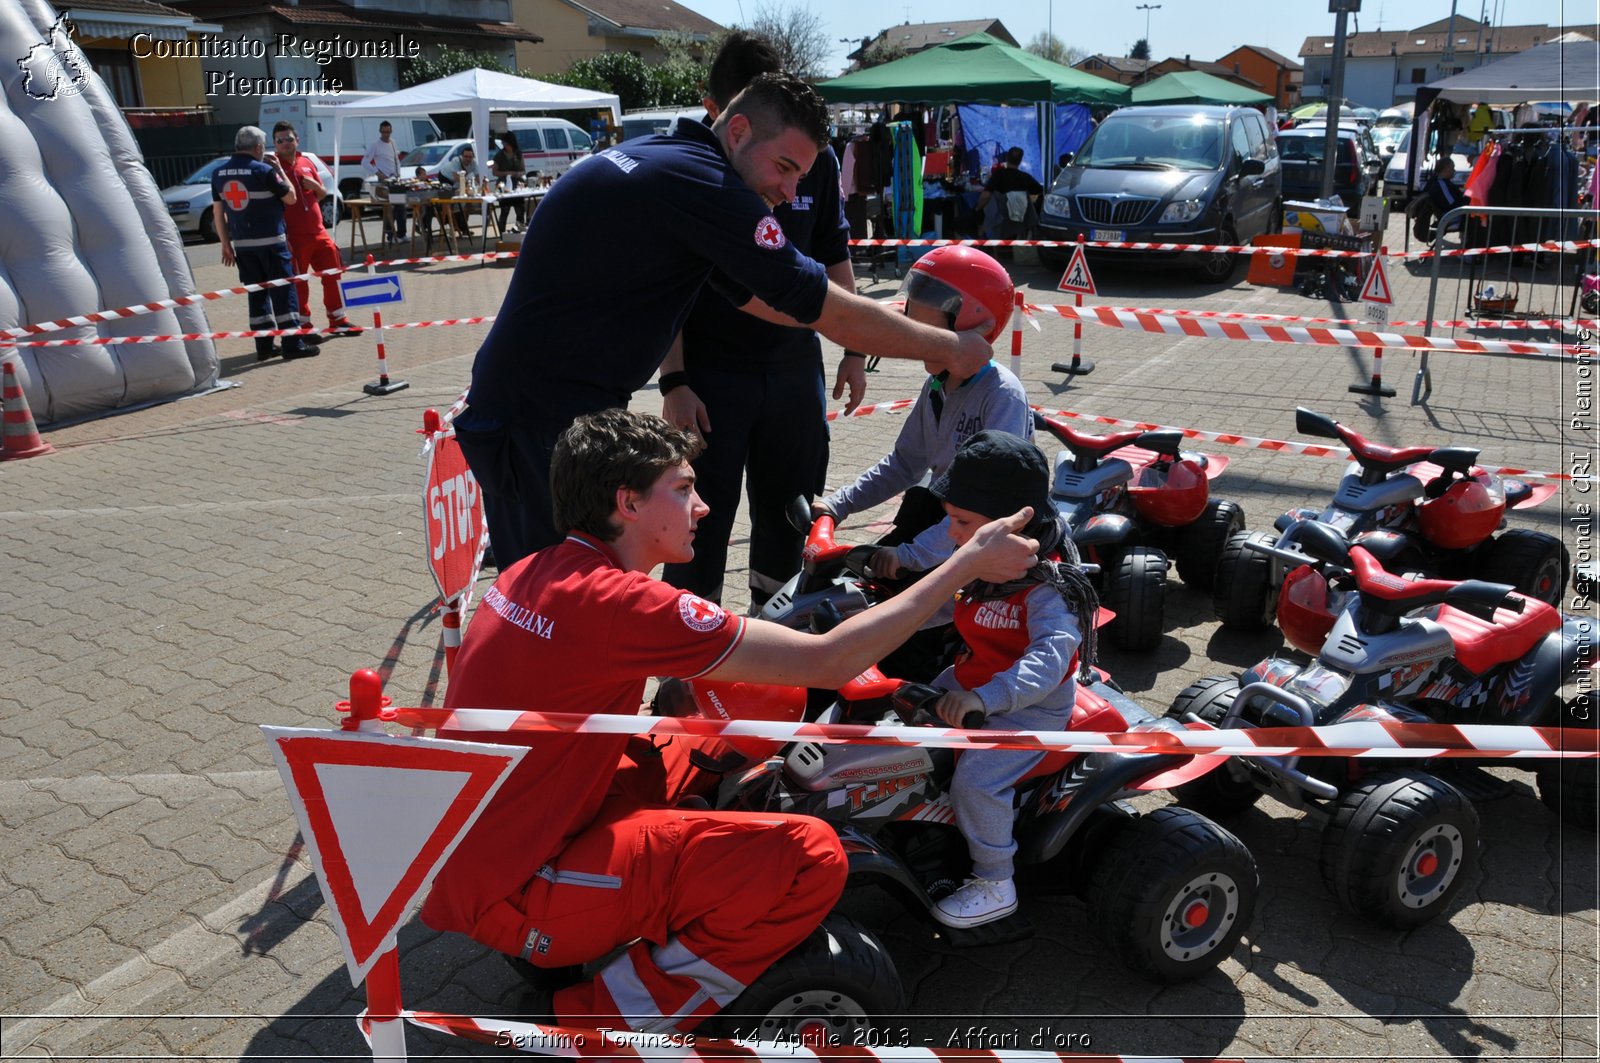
980	901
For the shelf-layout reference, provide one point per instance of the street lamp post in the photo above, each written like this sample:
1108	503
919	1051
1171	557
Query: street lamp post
1146	8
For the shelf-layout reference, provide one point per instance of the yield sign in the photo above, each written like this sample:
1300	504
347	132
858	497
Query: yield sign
1077	278
380	815
1377	290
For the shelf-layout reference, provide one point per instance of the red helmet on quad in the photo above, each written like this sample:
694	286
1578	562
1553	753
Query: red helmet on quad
1170	495
1305	615
1466	514
965	283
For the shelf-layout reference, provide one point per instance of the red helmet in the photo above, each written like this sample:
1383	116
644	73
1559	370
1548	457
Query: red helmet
965	283
1304	613
1465	515
1170	496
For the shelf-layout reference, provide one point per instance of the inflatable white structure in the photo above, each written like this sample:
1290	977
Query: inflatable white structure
84	229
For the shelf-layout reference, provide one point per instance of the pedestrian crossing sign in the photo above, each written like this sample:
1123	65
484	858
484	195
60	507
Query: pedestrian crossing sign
1077	277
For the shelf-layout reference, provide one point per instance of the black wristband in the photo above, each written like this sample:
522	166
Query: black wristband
854	354
673	380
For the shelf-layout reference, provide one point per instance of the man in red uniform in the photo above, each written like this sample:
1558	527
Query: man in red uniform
579	852
309	241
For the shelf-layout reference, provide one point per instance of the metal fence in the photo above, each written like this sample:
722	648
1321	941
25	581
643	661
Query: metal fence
1543	289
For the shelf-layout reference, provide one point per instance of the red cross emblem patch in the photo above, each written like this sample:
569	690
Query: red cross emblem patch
699	614
236	194
769	233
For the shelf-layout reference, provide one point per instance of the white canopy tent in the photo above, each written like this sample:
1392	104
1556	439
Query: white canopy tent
479	91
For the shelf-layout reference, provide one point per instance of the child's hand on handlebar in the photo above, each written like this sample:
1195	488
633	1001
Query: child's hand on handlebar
885	563
956	706
819	509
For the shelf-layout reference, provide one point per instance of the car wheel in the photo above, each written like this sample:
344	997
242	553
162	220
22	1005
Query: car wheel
1218	266
208	227
1219	792
1200	545
1571	788
1275	220
1136	592
1243	591
1535	563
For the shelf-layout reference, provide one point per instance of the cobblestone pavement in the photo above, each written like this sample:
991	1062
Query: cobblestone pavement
178	575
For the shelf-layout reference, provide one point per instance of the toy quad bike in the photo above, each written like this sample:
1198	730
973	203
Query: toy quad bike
1416	509
1169	892
1400	839
1126	497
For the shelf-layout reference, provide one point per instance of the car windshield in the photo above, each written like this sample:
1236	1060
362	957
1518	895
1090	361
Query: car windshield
1306	148
426	155
202	176
1150	143
1389	136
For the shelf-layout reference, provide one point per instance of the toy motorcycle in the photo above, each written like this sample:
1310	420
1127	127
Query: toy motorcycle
1170	892
1416	509
1399	838
1127	495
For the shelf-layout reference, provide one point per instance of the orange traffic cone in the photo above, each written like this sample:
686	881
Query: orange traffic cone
21	437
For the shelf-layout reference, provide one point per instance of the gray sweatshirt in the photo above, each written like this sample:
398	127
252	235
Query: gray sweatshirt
928	442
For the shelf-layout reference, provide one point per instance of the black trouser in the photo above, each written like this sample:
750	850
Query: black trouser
272	308
768	430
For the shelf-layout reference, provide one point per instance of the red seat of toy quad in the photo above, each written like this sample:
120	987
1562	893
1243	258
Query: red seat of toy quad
1084	443
1482	644
1379	456
1090	712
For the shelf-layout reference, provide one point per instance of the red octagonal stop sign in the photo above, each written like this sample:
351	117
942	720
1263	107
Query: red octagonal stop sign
452	513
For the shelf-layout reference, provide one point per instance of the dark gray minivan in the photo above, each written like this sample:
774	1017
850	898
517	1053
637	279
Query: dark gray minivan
1187	174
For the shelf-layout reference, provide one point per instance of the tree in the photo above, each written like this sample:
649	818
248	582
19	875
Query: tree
1141	49
448	61
797	33
679	79
1051	47
882	52
622	73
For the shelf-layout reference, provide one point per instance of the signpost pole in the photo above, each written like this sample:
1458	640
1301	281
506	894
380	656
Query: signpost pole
1376	299
1076	280
384	386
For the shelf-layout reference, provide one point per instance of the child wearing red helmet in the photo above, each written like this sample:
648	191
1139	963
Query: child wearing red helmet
960	288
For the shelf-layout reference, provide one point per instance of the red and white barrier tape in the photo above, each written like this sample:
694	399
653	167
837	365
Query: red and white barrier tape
569	1042
1263	332
1281	446
1557	246
112	341
1233	315
1363	739
876	407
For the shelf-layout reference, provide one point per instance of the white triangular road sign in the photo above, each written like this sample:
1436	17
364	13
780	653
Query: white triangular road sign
1377	290
1077	277
380	814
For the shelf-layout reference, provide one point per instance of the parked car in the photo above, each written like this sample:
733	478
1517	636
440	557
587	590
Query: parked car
1386	137
189	201
1177	174
1395	188
549	146
644	123
1356	163
432	156
313	120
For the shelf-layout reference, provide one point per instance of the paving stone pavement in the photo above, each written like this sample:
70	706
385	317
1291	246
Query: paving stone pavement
178	575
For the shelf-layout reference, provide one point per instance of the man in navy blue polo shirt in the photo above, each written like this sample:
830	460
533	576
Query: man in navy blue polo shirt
612	261
248	194
753	390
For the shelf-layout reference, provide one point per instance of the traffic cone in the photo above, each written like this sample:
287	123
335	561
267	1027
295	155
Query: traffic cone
21	437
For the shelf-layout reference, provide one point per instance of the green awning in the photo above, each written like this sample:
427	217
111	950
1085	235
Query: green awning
976	68
1192	86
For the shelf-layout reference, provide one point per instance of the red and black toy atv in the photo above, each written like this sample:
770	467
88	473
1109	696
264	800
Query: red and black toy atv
1132	500
1169	892
1427	510
1401	835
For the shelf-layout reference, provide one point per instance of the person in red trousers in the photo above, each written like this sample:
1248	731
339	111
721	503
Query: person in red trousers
309	242
580	851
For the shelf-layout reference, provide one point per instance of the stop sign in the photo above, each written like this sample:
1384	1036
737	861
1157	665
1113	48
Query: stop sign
452	513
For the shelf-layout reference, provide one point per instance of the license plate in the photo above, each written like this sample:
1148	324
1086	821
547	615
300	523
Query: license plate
1110	236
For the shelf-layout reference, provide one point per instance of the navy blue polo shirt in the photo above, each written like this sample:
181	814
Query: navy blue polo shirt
249	191
612	262
720	335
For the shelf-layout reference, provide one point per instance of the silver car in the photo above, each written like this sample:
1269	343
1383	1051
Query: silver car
189	201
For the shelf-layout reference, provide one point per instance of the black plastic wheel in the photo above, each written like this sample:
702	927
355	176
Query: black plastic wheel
1571	788
1534	563
837	981
1200	544
1243	596
1219	792
1398	847
1172	893
1136	590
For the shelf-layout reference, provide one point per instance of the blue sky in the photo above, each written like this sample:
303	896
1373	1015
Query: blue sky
1204	29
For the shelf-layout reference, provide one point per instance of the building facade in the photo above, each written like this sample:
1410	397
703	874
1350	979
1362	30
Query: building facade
571	30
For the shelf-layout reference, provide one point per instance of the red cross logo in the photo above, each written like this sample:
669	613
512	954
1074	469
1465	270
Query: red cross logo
236	194
769	233
700	614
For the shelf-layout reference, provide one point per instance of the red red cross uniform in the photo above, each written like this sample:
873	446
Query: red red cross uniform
311	245
579	851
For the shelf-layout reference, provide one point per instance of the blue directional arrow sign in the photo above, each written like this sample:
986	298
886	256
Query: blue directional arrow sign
372	291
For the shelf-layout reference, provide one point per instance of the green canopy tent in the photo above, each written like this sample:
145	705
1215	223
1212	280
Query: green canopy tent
1192	86
977	68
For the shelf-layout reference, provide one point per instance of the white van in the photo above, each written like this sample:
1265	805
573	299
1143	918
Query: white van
644	123
549	146
313	121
